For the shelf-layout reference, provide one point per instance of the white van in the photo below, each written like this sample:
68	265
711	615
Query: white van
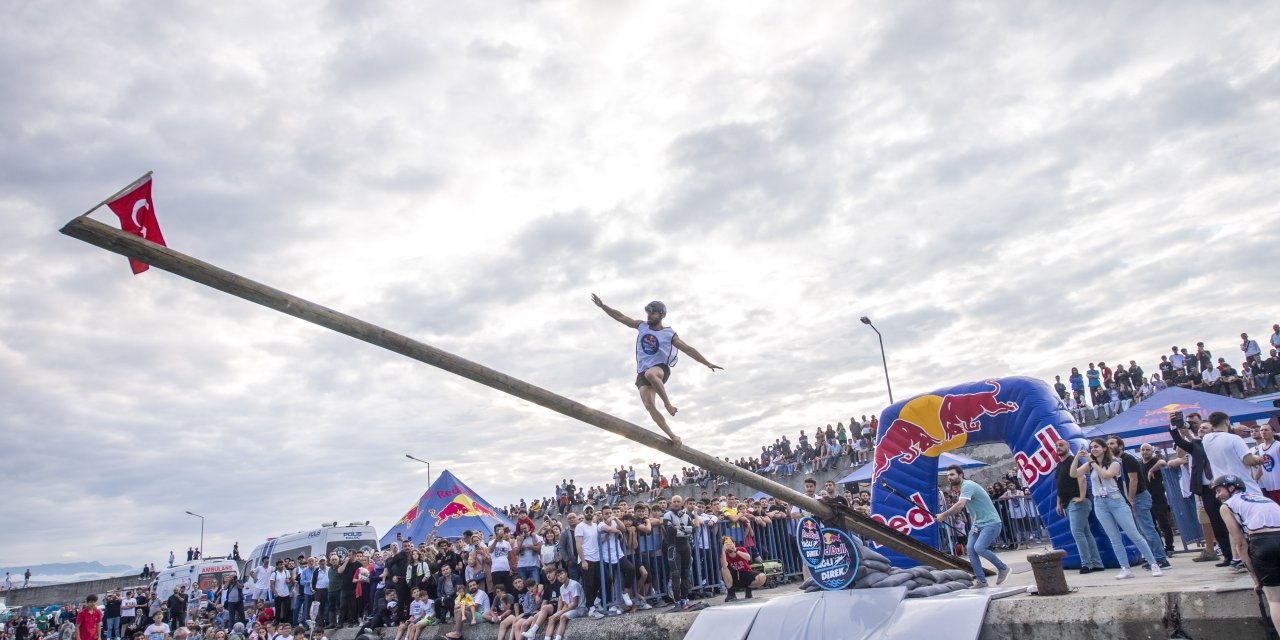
320	542
199	577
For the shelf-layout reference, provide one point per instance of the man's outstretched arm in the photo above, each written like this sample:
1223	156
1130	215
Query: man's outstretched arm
693	353
614	313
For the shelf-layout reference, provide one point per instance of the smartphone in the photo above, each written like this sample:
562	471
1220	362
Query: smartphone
1178	420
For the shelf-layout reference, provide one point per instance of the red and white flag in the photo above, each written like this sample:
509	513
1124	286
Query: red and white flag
137	213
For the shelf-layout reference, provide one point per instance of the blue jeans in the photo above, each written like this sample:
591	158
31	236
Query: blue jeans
1115	516
528	574
1147	525
980	539
1078	514
112	629
301	608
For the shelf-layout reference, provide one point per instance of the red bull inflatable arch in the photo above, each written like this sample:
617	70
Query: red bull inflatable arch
1023	413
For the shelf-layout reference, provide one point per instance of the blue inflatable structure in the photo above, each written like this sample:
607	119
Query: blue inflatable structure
1023	413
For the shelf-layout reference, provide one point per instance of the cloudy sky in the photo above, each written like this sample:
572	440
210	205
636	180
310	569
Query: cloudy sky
1004	191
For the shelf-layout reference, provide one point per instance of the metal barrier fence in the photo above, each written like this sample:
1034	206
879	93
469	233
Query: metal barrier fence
651	579
1021	520
775	542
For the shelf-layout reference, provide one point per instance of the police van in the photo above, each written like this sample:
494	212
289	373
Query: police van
329	538
198	577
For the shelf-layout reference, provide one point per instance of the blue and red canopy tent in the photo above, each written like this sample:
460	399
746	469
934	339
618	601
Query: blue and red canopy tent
447	509
1148	421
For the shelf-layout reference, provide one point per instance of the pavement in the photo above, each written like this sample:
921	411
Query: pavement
1194	600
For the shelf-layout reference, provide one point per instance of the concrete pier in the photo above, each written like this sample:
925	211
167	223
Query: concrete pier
1192	601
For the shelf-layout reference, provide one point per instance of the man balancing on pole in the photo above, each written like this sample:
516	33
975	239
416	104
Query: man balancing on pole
655	355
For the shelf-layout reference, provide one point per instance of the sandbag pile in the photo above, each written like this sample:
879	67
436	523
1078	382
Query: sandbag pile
875	571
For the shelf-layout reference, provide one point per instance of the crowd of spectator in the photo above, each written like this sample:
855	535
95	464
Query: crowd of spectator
1103	392
1098	394
541	576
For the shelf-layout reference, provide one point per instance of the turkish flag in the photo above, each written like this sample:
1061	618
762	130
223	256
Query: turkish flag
137	213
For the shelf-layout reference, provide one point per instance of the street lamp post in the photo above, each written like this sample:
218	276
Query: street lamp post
423	462
201	547
867	321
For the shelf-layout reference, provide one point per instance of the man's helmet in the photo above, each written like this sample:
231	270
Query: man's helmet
656	307
1227	480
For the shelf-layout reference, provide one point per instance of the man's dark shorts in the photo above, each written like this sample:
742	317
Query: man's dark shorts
743	579
1264	552
642	382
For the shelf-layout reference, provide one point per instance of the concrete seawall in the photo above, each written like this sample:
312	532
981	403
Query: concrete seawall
68	591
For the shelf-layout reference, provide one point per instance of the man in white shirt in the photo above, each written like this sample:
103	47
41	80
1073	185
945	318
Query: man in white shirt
587	539
1210	378
128	610
262	581
1252	352
1227	452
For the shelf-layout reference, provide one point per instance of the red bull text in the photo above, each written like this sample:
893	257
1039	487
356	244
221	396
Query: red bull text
1042	461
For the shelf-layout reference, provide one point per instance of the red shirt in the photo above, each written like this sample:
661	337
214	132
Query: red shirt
87	622
737	562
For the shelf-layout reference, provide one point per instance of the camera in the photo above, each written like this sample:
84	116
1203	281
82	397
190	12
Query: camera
1178	420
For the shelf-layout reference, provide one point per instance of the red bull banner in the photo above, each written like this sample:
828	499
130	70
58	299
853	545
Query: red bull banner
1023	413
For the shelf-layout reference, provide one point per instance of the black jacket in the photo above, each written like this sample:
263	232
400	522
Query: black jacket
397	565
1199	460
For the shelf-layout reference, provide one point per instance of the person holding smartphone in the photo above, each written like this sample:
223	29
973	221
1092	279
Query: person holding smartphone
1113	510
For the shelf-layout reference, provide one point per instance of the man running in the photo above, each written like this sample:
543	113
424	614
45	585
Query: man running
655	355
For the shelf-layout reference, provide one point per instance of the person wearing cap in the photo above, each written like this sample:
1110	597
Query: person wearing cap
656	347
1253	523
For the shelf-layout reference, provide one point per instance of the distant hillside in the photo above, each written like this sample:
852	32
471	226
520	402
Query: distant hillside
59	572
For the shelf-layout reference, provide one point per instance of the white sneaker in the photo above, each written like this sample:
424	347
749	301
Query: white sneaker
645	605
596	615
614	610
531	633
626	599
1125	574
1155	571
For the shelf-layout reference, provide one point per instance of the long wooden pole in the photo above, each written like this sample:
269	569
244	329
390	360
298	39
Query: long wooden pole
126	244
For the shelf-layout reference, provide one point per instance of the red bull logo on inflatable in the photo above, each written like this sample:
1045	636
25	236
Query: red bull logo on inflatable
1040	462
931	425
916	518
460	507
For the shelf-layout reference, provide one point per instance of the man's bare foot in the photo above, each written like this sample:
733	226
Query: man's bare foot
671	409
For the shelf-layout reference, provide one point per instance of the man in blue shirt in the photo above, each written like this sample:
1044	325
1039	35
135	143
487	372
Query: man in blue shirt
986	525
